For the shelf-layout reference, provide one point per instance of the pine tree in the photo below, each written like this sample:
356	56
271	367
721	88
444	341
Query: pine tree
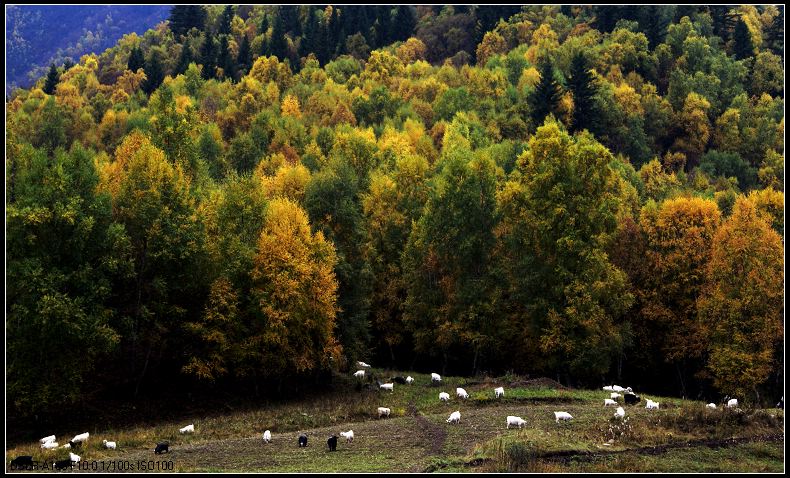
278	46
225	59
404	24
225	20
153	73
723	21
654	24
742	41
310	40
546	96
244	58
185	17
52	80
136	59
208	58
775	34
580	83
264	25
184	59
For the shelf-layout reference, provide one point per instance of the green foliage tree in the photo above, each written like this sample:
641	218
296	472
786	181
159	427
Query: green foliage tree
185	17
154	73
580	84
743	46
52	80
136	59
546	97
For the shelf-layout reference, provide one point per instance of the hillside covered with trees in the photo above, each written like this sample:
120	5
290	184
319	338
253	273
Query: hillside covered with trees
251	197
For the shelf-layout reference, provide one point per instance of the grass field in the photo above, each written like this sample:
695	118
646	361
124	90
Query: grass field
683	436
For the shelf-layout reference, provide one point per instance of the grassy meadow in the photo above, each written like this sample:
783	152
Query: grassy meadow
682	436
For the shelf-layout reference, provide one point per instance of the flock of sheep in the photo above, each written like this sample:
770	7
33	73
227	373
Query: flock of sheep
616	391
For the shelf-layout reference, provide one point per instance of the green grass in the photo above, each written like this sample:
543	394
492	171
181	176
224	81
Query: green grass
403	442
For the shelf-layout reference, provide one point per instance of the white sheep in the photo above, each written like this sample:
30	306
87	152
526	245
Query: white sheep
67	446
50	445
608	388
46	439
187	429
733	402
349	436
363	364
499	392
614	395
620	413
80	438
562	416
384	412
455	417
435	377
444	396
711	405
110	445
618	388
651	405
517	421
409	379
387	386
267	436
74	458
359	373
608	401
461	392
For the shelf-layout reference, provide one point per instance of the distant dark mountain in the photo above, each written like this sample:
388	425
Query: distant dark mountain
39	34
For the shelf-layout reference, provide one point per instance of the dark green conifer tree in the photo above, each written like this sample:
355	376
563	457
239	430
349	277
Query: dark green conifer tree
580	84
52	80
546	97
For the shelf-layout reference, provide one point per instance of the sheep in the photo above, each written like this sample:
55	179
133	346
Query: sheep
614	395
359	373
50	445
188	429
80	438
74	458
608	388
46	439
162	448
384	412
499	392
562	416
608	401
62	464
631	398
349	436
455	417
444	396
711	405
67	446
399	380
387	386
620	413
461	392
518	421
409	379
731	403
617	388
651	405
110	445
24	461
435	377
363	364
267	436
332	443
302	440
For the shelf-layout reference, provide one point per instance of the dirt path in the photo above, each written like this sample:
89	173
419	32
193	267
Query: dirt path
436	435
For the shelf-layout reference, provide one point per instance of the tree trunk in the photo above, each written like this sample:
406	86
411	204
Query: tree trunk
682	383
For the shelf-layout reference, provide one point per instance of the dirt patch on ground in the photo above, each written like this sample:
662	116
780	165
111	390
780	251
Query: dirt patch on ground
542	382
433	433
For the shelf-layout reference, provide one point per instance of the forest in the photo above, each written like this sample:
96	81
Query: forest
250	198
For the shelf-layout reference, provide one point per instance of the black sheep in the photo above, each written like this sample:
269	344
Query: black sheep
63	464
302	440
22	462
631	398
398	379
332	442
162	448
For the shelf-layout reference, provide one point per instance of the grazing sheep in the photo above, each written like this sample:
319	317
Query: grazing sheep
711	405
359	373
46	439
608	388
562	416
74	458
499	392
162	448
461	392
22	462
82	437
387	386
518	421
455	417
384	412
332	443
50	445
608	401
731	403
620	413
110	445
267	436
444	396
435	377
614	395
631	398
62	464
67	446
349	436
187	429
302	440
409	379
651	405
617	388
363	364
